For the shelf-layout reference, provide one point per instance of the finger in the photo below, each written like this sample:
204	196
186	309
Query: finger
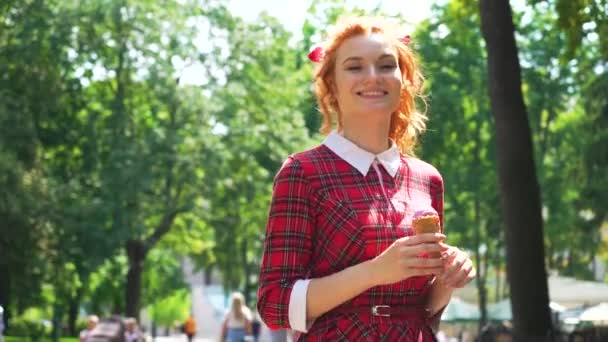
462	284
450	270
417	272
423	238
445	245
467	279
423	263
449	254
457	264
460	276
455	279
422	248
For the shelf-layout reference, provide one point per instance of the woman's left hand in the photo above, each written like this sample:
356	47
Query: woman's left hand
458	268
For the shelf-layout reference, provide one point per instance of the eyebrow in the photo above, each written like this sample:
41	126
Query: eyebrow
357	58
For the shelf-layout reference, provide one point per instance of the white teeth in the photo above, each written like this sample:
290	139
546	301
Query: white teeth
372	93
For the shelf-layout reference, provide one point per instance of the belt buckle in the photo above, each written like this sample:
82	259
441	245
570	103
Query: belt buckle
376	313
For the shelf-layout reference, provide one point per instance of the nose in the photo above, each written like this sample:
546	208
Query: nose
372	73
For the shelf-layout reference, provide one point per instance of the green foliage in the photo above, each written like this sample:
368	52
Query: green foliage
166	277
30	324
261	126
579	19
174	307
106	287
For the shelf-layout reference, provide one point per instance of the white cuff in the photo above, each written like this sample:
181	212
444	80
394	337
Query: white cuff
297	306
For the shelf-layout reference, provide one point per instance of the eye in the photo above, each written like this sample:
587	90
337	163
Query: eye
353	68
388	66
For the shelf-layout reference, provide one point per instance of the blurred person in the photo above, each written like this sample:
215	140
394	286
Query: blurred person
132	332
190	327
256	327
341	260
503	332
92	322
111	329
237	322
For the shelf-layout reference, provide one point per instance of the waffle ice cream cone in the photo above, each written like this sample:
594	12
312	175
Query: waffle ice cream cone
429	224
426	221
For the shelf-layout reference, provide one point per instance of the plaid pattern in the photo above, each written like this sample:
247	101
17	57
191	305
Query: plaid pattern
326	216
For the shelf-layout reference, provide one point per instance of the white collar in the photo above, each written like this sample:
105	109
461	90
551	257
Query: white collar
361	159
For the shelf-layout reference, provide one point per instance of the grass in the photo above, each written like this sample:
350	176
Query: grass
43	339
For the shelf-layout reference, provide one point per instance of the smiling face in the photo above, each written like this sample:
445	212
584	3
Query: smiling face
367	79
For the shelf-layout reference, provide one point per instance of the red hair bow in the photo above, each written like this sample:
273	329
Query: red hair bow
316	55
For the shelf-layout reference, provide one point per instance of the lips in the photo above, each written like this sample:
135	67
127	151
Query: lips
372	93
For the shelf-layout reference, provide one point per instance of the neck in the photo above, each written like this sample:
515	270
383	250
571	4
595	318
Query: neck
371	139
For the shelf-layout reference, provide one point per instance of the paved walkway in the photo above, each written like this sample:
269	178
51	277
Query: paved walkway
207	321
181	338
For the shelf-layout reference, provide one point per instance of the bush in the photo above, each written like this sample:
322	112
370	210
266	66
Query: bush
21	326
81	324
30	324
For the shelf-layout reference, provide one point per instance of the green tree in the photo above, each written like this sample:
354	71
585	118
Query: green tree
258	126
31	79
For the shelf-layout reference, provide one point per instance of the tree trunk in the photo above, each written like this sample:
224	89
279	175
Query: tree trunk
57	313
137	250
517	175
248	285
73	311
497	268
481	292
136	254
481	265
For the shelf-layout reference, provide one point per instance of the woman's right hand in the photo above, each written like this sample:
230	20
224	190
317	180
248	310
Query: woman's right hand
403	259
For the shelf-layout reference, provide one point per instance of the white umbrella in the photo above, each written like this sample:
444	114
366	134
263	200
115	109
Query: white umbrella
556	307
573	292
598	313
501	311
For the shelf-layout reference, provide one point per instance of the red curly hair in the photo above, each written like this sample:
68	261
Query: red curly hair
406	123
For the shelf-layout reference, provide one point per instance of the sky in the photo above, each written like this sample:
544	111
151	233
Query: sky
292	12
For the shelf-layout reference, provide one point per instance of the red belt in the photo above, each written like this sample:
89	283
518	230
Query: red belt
409	312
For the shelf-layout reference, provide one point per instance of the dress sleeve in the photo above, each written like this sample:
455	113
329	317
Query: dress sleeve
287	246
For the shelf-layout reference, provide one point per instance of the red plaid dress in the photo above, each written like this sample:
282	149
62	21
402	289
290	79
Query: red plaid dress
326	216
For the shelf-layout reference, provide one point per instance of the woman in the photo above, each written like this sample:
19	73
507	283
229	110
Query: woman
237	323
340	261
